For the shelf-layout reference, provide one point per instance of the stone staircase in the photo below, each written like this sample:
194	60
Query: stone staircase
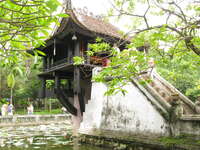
159	92
164	93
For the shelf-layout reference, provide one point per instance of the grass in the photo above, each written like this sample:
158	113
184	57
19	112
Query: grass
46	112
39	112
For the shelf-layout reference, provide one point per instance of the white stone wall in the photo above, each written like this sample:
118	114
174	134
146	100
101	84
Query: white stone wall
92	117
131	113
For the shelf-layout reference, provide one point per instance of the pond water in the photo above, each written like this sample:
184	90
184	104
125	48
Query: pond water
42	137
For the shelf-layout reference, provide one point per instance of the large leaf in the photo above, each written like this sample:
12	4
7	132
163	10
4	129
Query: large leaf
11	80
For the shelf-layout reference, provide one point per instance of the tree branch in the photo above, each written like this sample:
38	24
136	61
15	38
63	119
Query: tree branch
145	19
19	11
160	26
169	11
190	45
24	5
184	16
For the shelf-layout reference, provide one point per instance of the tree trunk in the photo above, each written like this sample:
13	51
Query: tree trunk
192	46
50	105
1	84
45	103
11	96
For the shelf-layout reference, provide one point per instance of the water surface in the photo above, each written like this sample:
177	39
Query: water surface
42	137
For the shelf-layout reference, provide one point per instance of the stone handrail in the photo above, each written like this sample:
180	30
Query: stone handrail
158	97
170	86
162	109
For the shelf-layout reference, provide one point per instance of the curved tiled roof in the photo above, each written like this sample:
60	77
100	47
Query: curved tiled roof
90	23
98	25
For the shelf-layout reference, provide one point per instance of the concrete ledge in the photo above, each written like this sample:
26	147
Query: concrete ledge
134	143
188	125
190	117
32	119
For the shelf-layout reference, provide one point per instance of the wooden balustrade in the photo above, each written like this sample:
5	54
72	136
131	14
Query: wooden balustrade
92	60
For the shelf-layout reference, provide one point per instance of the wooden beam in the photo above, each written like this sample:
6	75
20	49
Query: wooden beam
62	96
64	100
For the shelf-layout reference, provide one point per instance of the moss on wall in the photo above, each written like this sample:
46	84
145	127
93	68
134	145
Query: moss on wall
183	142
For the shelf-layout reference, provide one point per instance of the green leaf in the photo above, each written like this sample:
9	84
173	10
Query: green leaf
11	80
52	4
63	15
40	52
19	70
78	60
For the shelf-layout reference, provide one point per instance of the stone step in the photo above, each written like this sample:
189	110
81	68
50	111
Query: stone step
161	89
157	89
163	94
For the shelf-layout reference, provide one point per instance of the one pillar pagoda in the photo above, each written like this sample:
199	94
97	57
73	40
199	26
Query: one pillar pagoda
71	39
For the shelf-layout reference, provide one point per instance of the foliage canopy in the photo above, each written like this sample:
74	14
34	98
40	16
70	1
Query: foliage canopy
24	25
169	29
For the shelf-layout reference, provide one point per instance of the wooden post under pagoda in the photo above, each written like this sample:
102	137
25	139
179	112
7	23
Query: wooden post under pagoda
77	119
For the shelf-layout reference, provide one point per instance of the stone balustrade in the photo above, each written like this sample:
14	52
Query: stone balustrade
32	119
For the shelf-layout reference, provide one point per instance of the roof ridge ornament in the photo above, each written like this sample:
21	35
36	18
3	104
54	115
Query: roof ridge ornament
99	17
79	11
84	11
68	4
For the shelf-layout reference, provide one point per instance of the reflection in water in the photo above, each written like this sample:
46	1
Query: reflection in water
43	137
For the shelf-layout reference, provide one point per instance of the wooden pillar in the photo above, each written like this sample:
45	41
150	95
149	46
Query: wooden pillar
57	84
43	93
44	63
77	48
77	119
54	52
57	81
87	56
49	62
76	70
76	80
69	52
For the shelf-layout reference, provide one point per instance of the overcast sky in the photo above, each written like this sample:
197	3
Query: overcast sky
95	6
98	7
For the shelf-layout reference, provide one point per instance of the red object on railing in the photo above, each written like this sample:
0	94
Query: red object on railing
105	62
96	60
100	61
